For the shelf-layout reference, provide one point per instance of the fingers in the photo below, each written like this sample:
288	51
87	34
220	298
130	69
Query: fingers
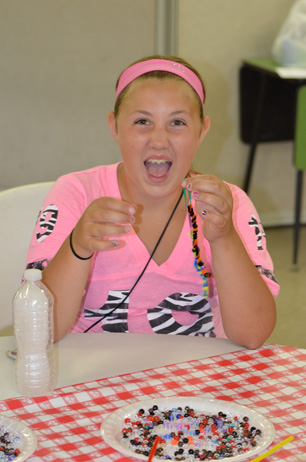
103	224
107	221
213	202
210	193
112	210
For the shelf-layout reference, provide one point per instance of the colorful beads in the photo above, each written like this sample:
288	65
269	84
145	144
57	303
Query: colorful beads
9	445
199	265
188	435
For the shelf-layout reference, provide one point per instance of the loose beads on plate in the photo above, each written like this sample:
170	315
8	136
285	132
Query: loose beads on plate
187	435
9	445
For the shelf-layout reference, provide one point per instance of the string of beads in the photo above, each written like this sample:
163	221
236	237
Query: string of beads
198	263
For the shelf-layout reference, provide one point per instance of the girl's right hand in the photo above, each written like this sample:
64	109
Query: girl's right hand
104	219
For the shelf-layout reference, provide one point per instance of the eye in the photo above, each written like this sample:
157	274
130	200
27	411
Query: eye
178	122
141	122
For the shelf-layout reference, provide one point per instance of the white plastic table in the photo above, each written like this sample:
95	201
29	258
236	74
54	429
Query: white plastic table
91	356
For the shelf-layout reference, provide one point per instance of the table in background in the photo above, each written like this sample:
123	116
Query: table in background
273	108
84	357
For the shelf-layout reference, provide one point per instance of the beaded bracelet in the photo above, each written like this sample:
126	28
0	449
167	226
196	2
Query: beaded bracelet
73	251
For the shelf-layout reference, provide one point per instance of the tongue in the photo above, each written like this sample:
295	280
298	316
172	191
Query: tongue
157	169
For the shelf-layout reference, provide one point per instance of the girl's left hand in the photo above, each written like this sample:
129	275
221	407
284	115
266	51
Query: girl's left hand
214	204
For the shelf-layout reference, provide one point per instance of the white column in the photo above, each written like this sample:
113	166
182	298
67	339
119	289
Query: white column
165	40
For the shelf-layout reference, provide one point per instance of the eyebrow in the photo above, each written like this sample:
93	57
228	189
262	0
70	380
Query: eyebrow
174	113
139	111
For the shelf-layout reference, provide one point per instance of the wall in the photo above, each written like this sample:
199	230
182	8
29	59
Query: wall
216	36
59	63
60	58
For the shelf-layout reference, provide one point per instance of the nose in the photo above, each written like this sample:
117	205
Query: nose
159	138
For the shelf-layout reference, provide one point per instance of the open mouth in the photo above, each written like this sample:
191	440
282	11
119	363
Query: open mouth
157	167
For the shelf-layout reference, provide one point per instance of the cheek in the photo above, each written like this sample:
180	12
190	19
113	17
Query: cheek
133	144
125	141
129	150
189	145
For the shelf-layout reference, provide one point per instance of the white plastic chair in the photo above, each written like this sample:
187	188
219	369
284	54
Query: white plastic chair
19	208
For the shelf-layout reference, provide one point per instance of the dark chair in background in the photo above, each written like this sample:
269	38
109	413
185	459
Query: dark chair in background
273	109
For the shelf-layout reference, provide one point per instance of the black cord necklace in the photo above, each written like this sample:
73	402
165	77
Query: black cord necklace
142	272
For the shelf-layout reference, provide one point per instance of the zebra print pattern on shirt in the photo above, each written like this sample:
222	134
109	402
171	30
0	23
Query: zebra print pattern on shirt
161	317
47	224
116	321
163	322
41	264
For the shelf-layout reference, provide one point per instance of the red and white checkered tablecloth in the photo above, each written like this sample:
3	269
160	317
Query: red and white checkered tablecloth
271	380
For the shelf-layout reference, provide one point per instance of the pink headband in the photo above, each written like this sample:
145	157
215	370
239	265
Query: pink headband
143	67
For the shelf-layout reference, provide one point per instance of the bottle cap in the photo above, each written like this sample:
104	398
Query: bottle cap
32	275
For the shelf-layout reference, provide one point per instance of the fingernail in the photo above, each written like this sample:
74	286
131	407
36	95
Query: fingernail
127	229
132	219
195	193
204	212
189	186
132	210
115	243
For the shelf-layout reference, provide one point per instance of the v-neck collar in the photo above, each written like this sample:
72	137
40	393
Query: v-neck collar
182	247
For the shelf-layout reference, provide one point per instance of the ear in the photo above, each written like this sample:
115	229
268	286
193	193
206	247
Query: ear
111	119
205	128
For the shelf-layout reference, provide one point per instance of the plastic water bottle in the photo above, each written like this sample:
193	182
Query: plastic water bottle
34	334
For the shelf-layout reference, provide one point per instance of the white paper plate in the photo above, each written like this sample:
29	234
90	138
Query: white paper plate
28	439
111	428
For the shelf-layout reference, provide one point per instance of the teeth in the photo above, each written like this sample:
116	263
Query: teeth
157	161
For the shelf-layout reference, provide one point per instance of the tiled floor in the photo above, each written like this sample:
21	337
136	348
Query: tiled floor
291	302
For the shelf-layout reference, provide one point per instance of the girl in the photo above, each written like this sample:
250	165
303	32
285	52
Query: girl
146	245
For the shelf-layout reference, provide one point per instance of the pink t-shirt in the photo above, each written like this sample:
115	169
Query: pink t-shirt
168	298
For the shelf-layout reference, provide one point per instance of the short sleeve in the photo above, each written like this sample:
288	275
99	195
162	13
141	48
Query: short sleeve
60	211
248	226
